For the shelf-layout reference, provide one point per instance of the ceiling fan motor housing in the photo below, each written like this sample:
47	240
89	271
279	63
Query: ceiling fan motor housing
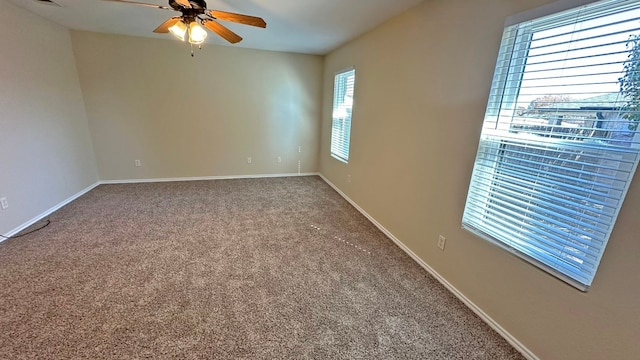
189	15
198	5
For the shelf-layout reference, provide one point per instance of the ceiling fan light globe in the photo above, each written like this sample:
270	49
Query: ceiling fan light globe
179	29
197	35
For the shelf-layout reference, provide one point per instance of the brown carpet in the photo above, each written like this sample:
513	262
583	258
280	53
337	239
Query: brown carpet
280	268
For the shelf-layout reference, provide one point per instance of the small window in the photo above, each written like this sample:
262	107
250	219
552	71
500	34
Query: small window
560	140
341	120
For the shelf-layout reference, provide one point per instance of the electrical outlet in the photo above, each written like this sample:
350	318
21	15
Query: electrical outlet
279	159
4	203
249	160
441	242
349	178
137	162
299	149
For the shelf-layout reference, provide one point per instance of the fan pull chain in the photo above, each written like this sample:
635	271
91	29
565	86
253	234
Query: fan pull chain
199	48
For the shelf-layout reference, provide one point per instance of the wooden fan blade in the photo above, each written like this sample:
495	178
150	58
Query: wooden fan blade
184	3
141	4
223	31
164	27
237	18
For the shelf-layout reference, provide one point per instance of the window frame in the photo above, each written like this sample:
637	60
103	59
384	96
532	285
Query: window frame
341	141
502	101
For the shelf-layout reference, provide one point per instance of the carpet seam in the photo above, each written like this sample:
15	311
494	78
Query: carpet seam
457	293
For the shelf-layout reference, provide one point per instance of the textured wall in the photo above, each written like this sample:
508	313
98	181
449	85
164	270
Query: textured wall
148	99
45	148
422	85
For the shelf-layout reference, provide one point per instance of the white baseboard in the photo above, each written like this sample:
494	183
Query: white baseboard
49	211
200	178
476	309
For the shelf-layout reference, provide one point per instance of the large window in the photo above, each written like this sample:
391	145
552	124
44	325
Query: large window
560	140
342	105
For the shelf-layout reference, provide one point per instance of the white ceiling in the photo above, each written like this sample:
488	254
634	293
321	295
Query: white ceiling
302	26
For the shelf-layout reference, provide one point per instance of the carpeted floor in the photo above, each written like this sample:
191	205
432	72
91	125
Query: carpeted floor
280	268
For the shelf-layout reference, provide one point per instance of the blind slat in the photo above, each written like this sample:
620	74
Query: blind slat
566	203
532	213
564	206
549	241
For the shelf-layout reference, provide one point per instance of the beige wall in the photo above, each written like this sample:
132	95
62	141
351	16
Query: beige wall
422	83
184	116
45	148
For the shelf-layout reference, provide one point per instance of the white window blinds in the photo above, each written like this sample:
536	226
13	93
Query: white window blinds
344	84
559	144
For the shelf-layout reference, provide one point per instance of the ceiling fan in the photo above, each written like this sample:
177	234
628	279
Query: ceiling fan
195	13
